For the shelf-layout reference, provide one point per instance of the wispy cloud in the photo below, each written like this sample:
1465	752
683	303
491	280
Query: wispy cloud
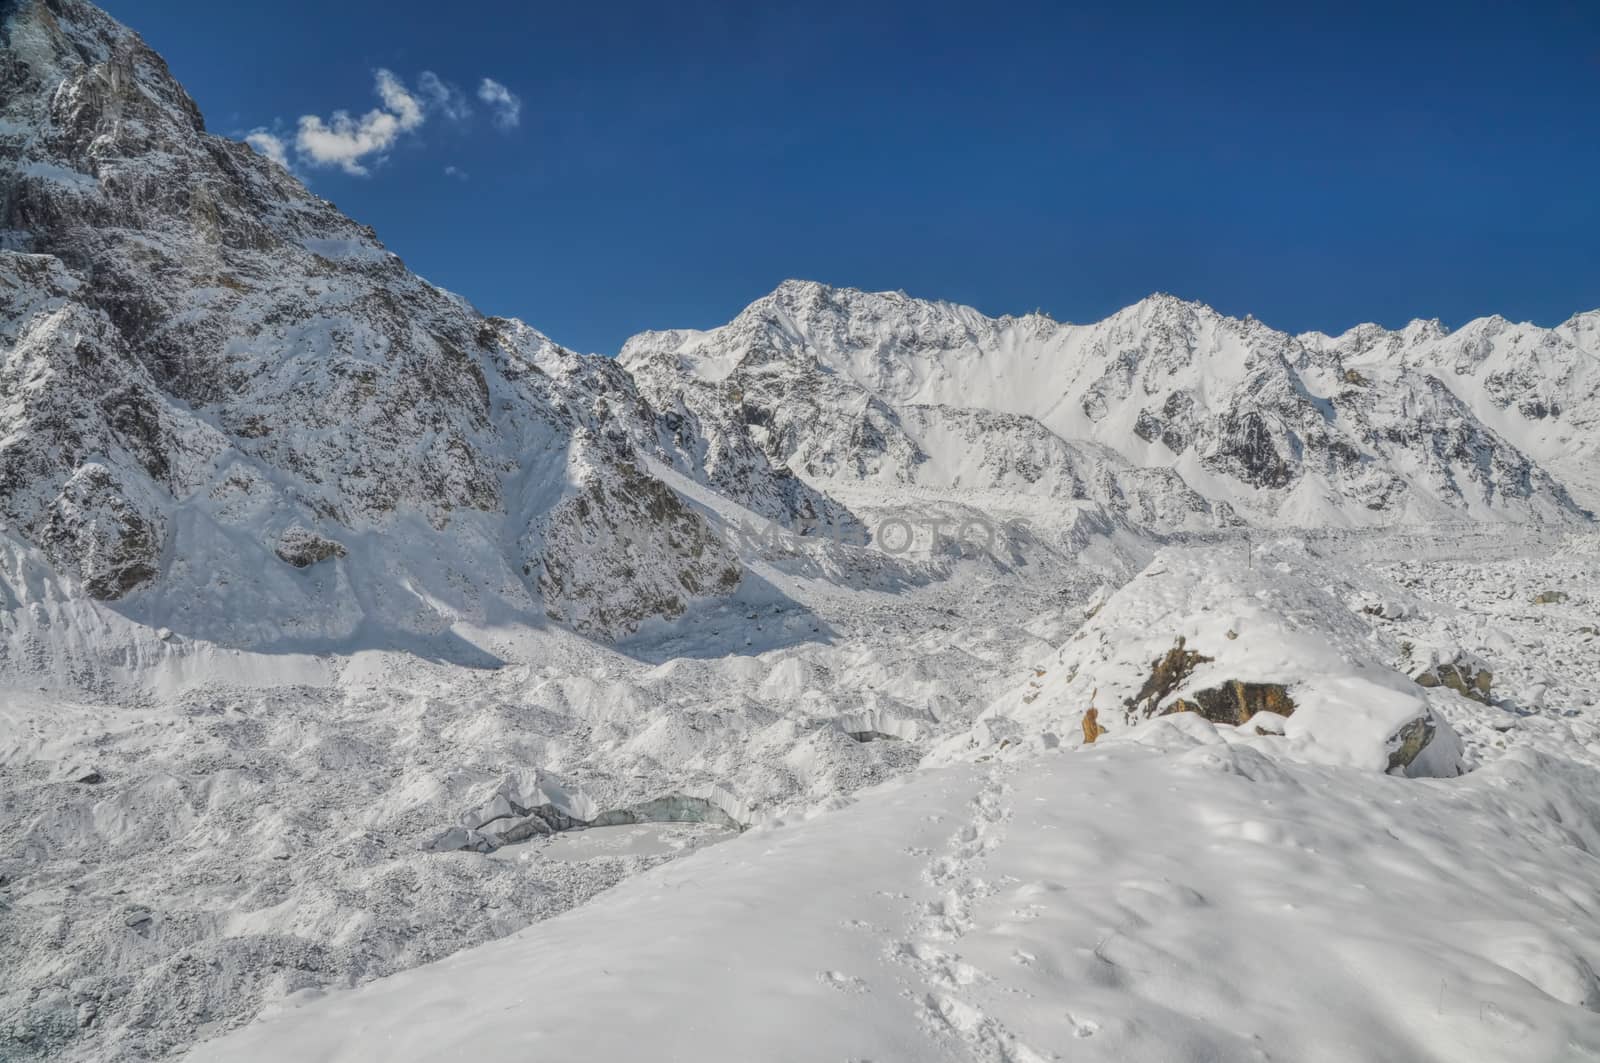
507	105
443	97
354	143
457	172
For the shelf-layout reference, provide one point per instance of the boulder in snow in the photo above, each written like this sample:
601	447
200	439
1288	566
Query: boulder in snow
1456	669
303	548
1236	703
1264	652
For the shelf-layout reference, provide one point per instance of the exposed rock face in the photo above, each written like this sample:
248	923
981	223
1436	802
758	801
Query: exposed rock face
302	548
1232	703
1464	674
1132	413
1167	675
605	576
195	351
1235	703
1245	450
93	527
1409	742
1551	598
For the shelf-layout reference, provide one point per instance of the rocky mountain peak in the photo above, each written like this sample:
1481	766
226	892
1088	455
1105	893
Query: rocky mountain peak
1583	330
205	365
1166	412
93	90
1164	306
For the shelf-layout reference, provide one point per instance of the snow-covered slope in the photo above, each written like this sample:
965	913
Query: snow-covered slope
1539	387
1179	889
284	528
1167	412
1262	646
227	408
1172	898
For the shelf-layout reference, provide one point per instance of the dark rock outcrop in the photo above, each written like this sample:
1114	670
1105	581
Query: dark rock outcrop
1167	674
1236	703
1466	676
302	548
1409	742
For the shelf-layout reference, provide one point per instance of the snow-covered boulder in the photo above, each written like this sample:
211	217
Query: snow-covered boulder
1453	668
1386	609
303	548
86	774
1265	652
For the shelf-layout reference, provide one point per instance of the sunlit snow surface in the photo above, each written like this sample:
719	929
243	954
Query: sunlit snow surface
1174	898
1175	892
333	613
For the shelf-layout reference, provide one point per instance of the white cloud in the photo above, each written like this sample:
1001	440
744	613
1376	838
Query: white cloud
354	143
346	142
445	98
506	104
399	100
457	172
270	145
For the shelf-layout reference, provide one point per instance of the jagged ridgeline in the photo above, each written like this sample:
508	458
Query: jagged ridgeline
1168	414
231	411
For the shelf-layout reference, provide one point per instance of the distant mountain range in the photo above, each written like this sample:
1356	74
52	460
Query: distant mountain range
1168	413
230	410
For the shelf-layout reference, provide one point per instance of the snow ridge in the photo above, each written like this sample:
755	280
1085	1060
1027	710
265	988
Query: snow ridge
1167	413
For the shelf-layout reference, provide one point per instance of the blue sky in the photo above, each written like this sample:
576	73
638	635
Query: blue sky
672	162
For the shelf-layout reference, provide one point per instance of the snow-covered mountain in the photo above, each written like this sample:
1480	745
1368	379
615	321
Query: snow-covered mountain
344	628
231	411
1167	412
228	408
1537	386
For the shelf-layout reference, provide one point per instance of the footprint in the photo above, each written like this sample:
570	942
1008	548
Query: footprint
844	983
942	968
947	917
979	1030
